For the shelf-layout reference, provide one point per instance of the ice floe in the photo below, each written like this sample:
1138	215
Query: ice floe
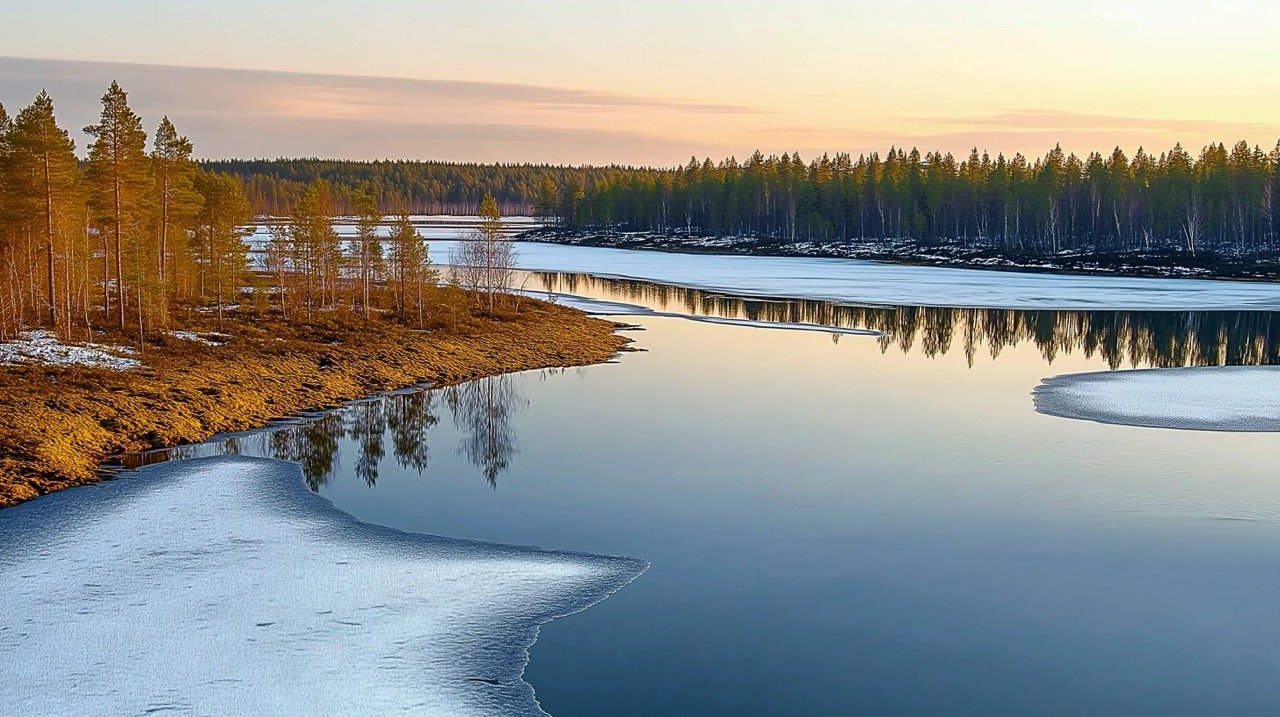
1213	398
44	347
223	586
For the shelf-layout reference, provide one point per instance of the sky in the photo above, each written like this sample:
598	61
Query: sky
656	81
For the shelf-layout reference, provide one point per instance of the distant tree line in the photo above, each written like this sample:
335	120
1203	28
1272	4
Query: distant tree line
1224	200
419	187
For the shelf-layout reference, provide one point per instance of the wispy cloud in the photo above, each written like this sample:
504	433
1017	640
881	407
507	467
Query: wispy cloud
209	85
266	113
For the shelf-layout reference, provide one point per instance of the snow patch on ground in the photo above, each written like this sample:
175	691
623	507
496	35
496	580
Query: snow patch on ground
1213	398
213	309
223	586
209	338
44	347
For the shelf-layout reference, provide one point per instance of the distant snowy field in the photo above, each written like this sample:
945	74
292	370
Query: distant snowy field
865	282
223	586
1213	398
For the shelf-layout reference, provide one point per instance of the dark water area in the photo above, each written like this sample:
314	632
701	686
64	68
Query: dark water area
837	524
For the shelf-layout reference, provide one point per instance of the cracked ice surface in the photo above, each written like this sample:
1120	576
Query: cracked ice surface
222	586
1213	398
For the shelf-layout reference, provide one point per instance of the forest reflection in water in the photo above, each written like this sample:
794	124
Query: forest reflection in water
483	413
1135	339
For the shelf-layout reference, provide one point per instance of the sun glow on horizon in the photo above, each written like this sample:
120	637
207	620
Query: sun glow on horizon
599	82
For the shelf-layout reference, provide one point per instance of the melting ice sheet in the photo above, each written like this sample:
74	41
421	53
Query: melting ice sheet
1214	398
869	282
224	587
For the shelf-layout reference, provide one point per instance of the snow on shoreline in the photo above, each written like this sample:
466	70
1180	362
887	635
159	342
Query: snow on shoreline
1212	398
44	347
224	586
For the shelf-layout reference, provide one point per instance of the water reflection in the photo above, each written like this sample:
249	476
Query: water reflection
1137	339
482	412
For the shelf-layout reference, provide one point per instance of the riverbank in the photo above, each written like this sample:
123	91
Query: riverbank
1162	264
61	422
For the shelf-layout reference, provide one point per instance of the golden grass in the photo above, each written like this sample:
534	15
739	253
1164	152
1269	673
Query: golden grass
57	424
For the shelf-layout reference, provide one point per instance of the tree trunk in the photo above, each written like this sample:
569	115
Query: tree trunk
48	219
119	261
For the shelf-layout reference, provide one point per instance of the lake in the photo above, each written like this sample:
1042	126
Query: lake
839	523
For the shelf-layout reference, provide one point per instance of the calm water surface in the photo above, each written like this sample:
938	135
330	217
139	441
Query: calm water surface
851	524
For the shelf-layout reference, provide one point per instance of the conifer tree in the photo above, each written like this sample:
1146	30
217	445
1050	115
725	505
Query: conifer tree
315	250
221	228
368	247
279	251
176	200
42	167
10	320
117	173
410	266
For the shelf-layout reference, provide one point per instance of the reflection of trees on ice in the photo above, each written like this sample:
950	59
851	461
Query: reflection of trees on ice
484	411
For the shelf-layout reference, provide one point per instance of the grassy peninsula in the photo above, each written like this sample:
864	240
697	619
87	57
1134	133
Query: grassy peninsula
61	422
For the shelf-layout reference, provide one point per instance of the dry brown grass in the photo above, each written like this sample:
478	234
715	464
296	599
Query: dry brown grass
57	425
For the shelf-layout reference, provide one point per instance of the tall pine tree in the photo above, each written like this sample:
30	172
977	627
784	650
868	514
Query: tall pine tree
118	172
176	200
43	169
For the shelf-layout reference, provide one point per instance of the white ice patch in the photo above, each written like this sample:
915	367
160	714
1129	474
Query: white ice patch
43	347
222	586
1213	398
868	282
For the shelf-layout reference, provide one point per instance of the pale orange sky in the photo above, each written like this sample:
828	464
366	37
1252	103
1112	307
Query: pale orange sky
653	82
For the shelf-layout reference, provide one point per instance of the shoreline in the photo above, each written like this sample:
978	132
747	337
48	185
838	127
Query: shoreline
1163	265
62	423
